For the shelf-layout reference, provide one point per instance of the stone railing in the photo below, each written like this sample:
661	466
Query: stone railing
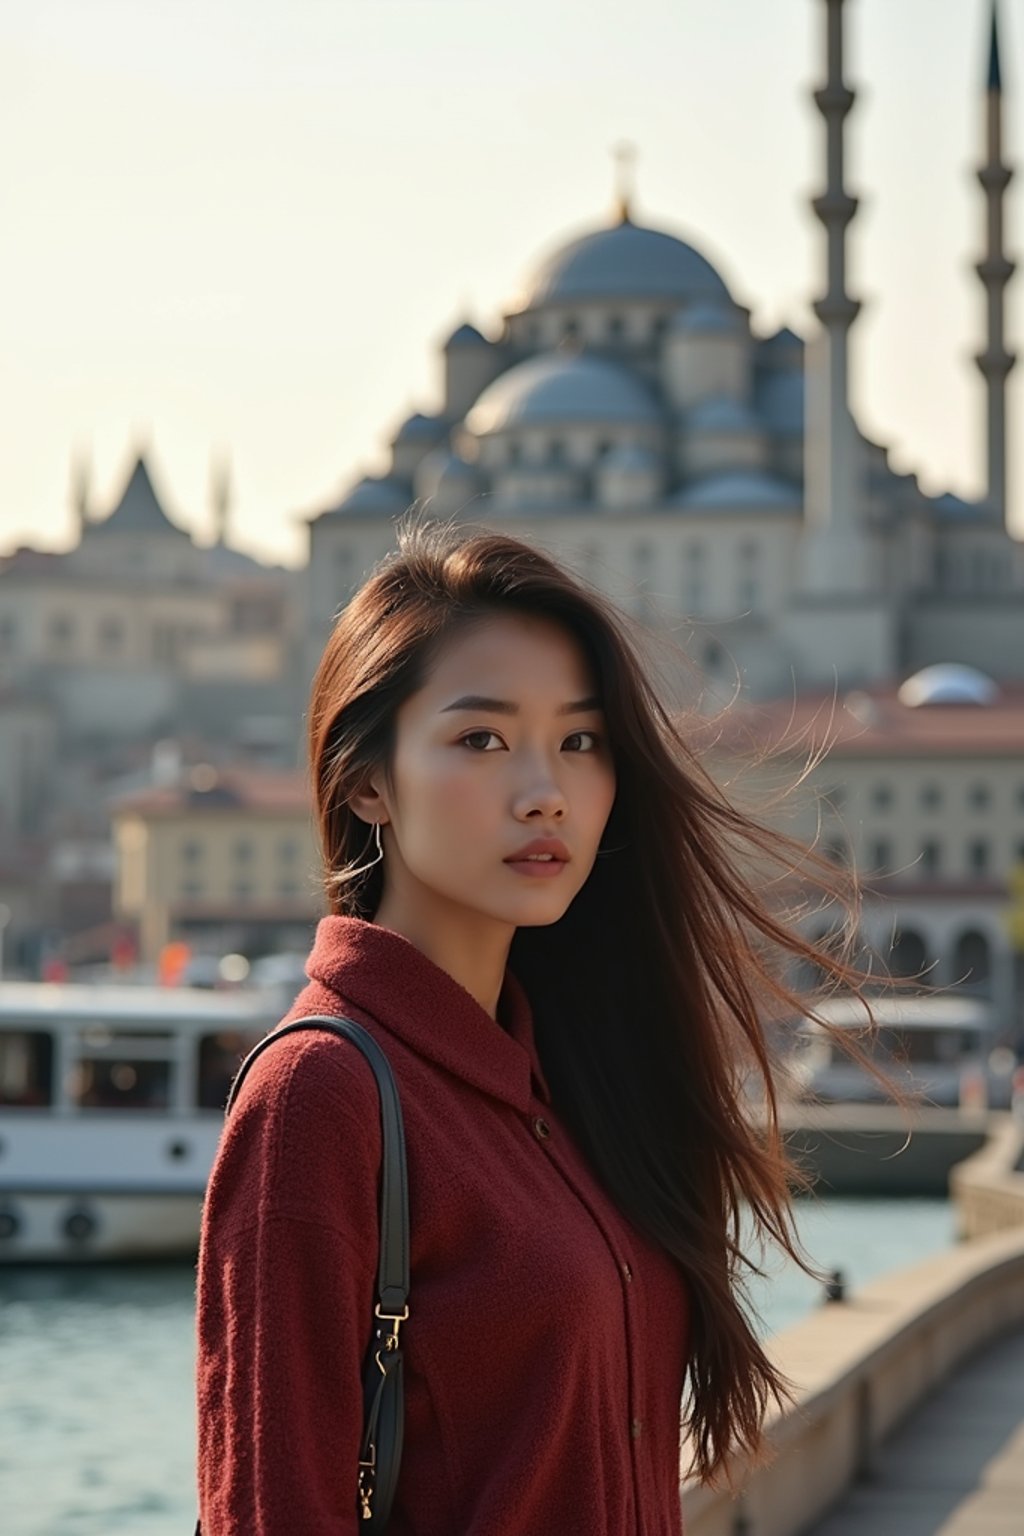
860	1366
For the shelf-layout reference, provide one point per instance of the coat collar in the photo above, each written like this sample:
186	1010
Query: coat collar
384	974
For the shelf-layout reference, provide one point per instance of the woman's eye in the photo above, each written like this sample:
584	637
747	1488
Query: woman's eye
594	737
471	735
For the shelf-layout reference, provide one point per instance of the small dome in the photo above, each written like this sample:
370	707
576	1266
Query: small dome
562	388
783	347
721	414
738	488
780	403
373	496
419	428
707	319
444	469
466	335
622	262
629	459
948	682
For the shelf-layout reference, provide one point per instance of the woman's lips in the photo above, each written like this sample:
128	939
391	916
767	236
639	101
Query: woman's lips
542	869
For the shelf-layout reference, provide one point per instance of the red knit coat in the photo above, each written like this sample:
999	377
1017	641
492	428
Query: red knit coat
547	1337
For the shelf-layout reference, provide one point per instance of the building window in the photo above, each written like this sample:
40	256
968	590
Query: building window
571	329
243	890
287	888
192	889
62	632
835	794
931	796
659	326
556	450
979	796
243	851
695	588
835	851
882	797
712	655
8	632
287	850
748	575
191	852
977	856
930	858
111	634
881	855
514	453
616	327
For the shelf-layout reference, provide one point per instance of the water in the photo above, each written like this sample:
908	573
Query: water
96	1408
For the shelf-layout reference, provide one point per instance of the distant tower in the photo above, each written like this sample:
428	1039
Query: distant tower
841	624
995	272
835	553
625	157
80	484
220	497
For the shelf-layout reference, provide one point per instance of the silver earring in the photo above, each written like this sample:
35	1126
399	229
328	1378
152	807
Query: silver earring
376	835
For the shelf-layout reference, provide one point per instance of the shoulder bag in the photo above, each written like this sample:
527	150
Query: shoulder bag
383	1382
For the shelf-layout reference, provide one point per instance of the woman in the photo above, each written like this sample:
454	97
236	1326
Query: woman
557	948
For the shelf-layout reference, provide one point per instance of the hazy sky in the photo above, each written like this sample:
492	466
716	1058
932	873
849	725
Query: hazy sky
249	224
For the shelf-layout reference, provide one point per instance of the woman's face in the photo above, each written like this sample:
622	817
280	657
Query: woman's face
505	743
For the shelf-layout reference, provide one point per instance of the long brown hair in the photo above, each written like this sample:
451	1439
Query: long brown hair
654	996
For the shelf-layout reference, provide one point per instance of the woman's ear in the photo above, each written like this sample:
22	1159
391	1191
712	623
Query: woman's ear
369	805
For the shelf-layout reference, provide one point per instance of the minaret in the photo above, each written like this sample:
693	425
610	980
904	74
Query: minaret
995	272
220	497
834	546
625	157
80	481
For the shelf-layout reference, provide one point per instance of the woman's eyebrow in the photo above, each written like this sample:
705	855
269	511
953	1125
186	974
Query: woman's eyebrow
478	701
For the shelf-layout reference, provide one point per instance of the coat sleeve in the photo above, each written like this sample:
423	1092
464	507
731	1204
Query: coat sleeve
285	1291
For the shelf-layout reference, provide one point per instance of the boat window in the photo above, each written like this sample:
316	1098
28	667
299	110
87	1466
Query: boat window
929	1045
110	1083
26	1068
220	1056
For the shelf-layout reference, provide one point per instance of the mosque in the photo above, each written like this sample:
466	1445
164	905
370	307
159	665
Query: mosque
626	414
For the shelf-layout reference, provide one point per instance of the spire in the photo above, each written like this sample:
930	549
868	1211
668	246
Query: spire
220	496
995	271
80	485
995	79
835	553
625	157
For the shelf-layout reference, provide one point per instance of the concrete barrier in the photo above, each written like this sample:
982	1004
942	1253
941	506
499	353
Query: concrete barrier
860	1366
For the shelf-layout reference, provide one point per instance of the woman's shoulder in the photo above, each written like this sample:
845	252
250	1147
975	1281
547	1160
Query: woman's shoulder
301	1068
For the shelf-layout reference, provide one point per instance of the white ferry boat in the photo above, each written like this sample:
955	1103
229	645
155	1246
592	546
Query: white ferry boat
939	1047
111	1104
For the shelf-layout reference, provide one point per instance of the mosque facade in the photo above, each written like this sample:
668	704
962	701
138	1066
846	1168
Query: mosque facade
626	414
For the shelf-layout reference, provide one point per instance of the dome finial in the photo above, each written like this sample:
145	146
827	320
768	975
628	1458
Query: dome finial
625	155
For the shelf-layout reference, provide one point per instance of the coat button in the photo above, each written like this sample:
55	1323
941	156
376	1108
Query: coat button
627	1271
541	1129
636	1428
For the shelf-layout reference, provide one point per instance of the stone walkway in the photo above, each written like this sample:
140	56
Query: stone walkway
956	1467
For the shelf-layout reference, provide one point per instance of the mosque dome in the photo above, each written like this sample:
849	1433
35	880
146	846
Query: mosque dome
707	318
625	261
373	496
720	413
630	459
418	428
562	387
948	682
444	474
738	488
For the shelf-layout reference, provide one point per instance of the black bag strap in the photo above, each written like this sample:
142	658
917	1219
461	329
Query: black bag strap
393	1265
383	1374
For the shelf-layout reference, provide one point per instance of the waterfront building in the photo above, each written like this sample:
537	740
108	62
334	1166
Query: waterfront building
220	857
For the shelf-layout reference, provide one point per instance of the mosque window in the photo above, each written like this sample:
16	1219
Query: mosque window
603	447
930	858
556	449
111	634
977	855
659	326
931	796
571	328
616	327
748	592
514	453
979	796
62	631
